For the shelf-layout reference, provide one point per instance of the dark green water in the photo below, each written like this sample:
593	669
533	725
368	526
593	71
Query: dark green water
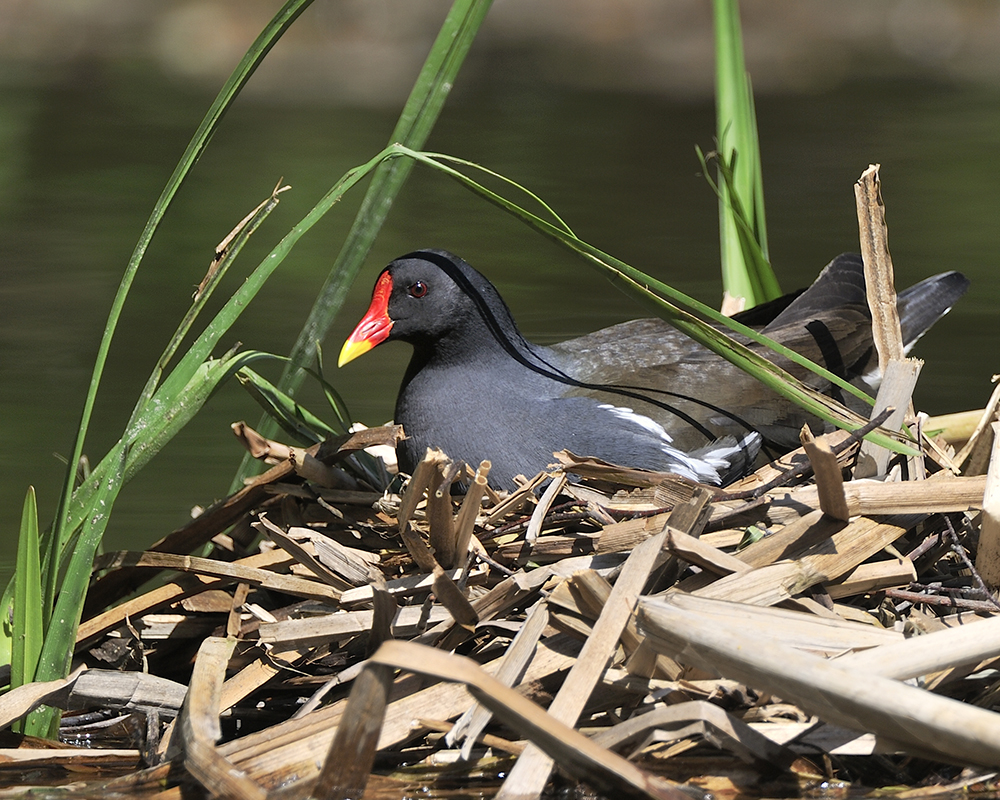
83	158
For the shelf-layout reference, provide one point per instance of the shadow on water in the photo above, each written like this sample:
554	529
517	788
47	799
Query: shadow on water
84	160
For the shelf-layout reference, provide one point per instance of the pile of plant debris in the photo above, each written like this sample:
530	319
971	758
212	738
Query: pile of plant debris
628	630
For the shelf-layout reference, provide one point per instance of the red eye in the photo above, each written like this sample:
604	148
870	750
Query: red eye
418	289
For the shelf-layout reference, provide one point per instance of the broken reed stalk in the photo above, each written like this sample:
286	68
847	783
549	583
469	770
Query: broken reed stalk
515	661
922	655
422	477
941	495
895	393
978	441
315	471
531	771
271	531
465	521
200	729
843	696
698	718
449	535
384	610
351	756
452	598
260	447
418	482
442	525
886	332
788	471
873	577
556	739
696	551
988	559
812	551
829	480
543	506
878	267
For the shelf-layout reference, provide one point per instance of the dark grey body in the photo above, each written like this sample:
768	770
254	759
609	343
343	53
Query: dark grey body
477	390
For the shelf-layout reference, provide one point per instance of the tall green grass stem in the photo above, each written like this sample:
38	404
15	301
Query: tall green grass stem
746	270
56	540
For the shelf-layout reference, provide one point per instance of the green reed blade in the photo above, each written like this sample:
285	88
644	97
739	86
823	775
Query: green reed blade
746	271
188	385
60	637
55	541
293	418
29	622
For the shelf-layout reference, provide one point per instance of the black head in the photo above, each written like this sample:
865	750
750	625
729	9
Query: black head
434	300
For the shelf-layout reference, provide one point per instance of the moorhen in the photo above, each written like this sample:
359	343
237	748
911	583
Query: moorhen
639	393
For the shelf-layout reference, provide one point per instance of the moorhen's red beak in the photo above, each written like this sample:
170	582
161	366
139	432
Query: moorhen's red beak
375	325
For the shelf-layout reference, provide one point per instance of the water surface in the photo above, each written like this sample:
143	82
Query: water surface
85	156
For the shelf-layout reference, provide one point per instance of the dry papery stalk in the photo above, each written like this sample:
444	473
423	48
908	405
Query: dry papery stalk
618	629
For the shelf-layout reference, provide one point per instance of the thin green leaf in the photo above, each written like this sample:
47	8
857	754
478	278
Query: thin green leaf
7	623
225	255
741	198
60	636
242	297
293	418
753	257
189	384
165	417
337	404
300	423
28	613
158	423
162	419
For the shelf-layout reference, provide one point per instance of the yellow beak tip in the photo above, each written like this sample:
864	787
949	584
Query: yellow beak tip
351	350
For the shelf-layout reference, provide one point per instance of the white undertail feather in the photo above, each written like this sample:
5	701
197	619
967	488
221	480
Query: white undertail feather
724	452
708	465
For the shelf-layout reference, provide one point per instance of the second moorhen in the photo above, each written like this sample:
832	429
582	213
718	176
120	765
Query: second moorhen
639	394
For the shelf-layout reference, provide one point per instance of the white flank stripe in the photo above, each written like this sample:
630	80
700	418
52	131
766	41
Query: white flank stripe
642	420
694	469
